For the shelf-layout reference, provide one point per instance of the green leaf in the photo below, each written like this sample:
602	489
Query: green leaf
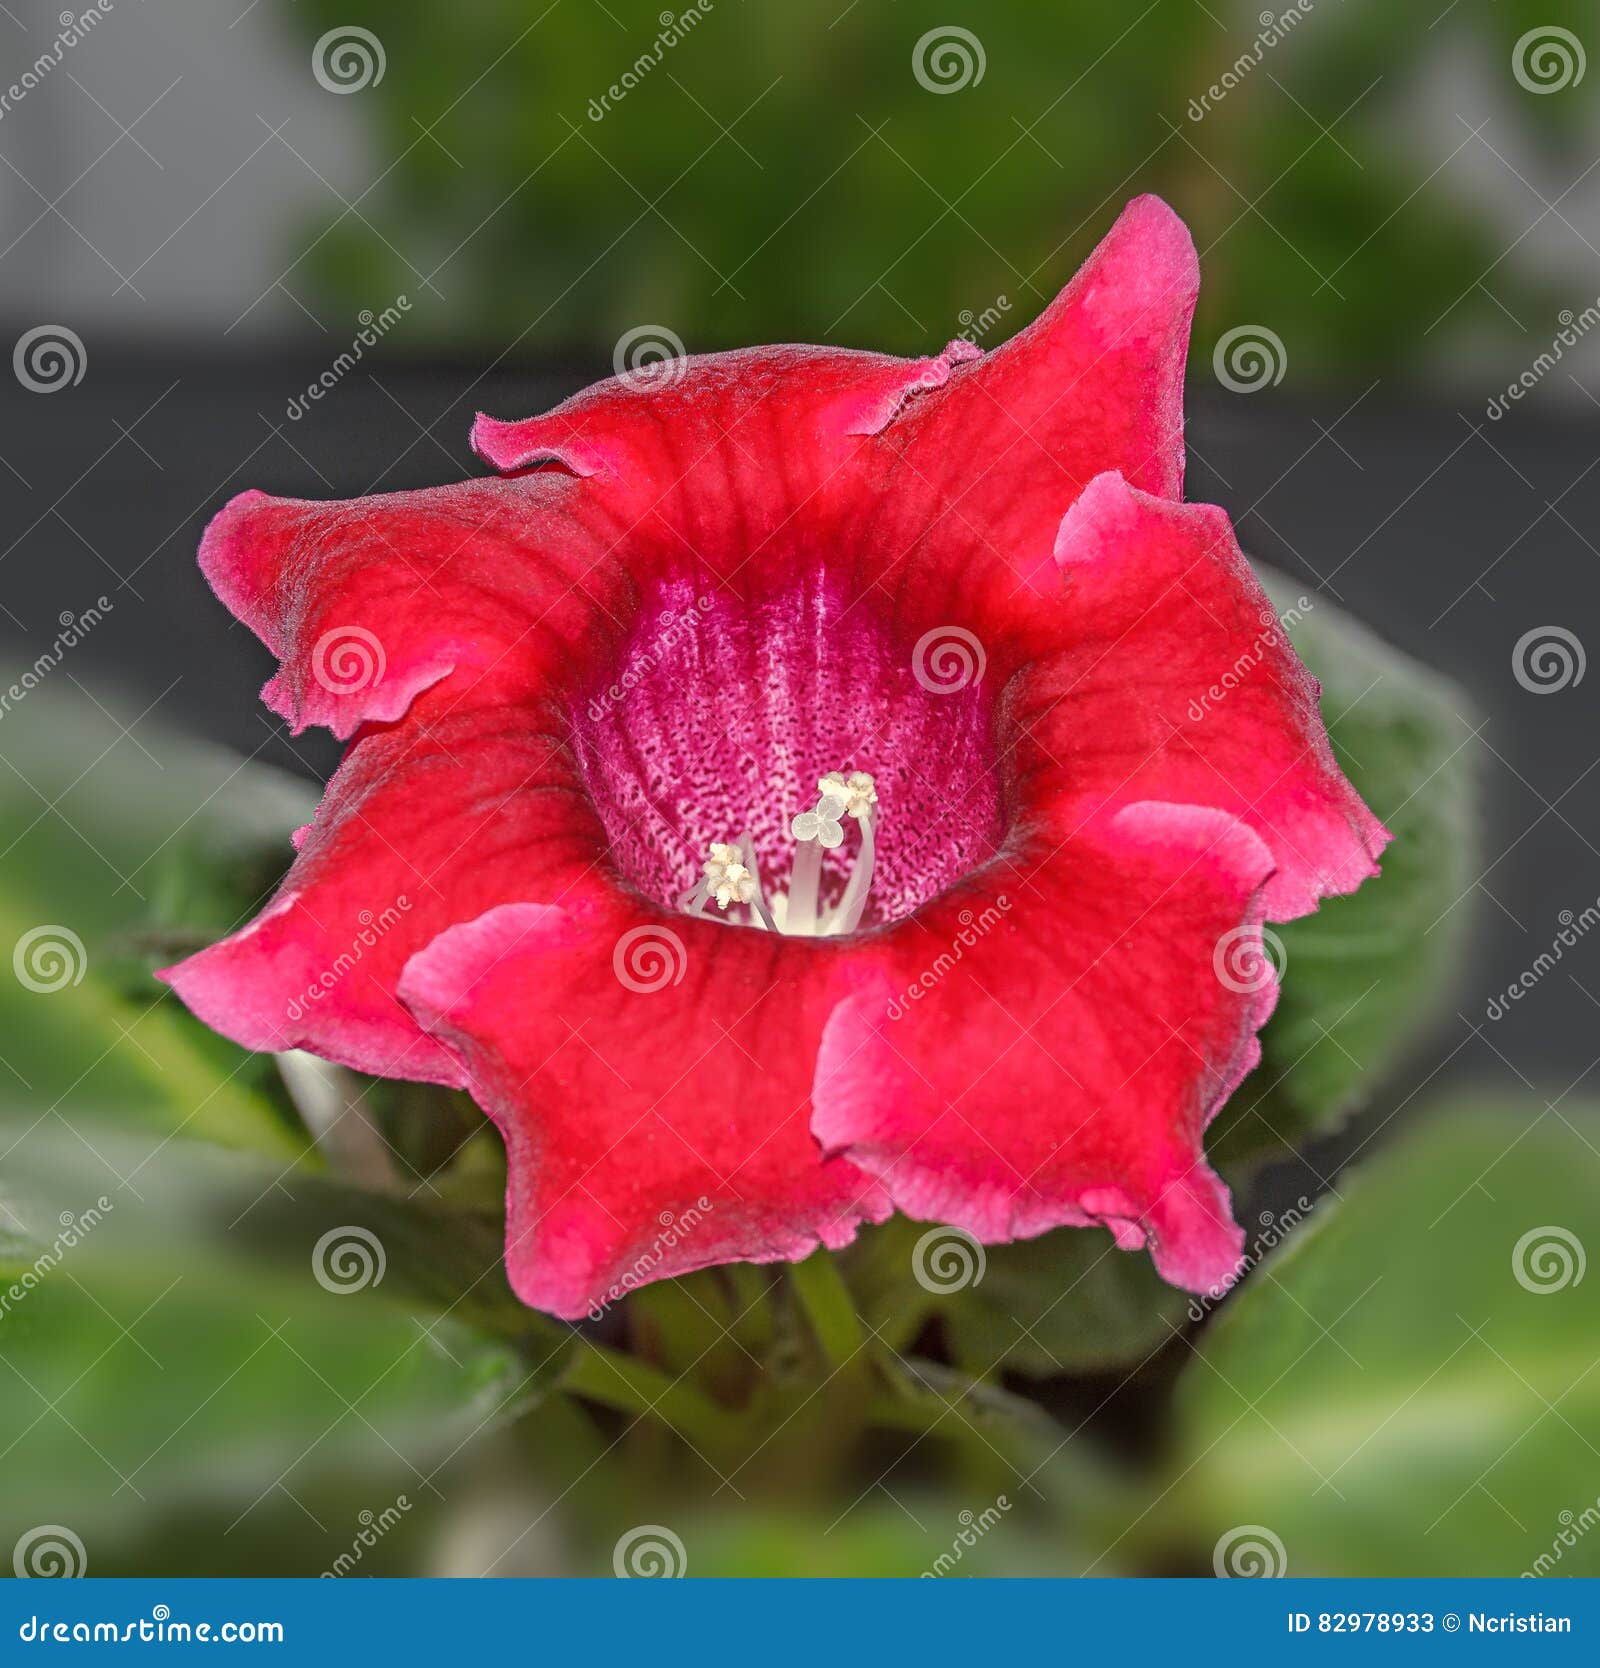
165	1349
1366	974
103	829
1392	1393
1069	1302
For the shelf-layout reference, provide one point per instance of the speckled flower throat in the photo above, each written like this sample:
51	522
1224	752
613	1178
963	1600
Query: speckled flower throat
792	762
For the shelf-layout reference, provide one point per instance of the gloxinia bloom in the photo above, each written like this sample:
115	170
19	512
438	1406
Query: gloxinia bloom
790	769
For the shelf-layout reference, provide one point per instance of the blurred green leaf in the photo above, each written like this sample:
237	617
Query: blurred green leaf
1069	1302
165	1349
1409	1386
894	178
1366	974
110	835
882	1538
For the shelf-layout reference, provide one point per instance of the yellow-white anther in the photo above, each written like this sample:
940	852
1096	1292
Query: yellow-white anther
857	790
728	880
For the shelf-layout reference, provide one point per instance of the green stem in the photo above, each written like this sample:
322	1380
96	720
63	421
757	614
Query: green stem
632	1386
828	1307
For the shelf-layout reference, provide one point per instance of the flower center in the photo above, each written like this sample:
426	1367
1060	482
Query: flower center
703	753
731	875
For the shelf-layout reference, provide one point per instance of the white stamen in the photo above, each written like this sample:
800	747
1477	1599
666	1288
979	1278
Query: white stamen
758	903
732	876
805	876
847	916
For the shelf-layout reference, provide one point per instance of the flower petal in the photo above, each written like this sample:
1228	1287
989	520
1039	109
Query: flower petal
1094	383
651	1077
772	427
424	825
1058	1036
371	601
1180	684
